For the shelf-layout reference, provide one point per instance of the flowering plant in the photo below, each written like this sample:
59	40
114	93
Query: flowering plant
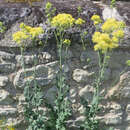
27	33
63	21
109	36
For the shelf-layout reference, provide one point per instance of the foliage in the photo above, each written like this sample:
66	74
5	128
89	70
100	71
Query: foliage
5	127
79	10
113	3
128	62
50	11
2	27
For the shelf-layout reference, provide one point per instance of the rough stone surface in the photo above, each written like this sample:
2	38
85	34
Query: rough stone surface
51	95
111	13
7	110
45	74
114	116
5	98
3	81
87	93
80	75
6	56
79	68
7	67
122	89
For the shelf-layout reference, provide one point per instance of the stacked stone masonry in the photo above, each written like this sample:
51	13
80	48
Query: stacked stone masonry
79	72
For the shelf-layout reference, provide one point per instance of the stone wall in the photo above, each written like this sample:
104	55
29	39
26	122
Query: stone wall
80	69
79	73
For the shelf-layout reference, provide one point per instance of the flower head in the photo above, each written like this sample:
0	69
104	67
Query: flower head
104	42
96	19
118	34
63	21
20	37
111	25
36	31
67	42
79	21
27	32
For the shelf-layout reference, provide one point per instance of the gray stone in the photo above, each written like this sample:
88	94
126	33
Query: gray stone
90	57
128	118
128	108
7	67
21	99
7	110
5	98
111	119
122	88
27	59
3	81
79	120
51	95
81	75
111	13
6	56
44	57
128	128
45	74
87	93
114	116
107	74
66	54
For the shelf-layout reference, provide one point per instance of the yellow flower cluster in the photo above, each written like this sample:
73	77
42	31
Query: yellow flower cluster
63	21
111	33
27	32
19	36
104	42
79	21
112	25
67	42
96	19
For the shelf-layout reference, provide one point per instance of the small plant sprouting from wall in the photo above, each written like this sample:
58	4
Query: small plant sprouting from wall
2	27
113	3
3	125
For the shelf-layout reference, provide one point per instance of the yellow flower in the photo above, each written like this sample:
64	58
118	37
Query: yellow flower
115	39
10	128
104	42
112	25
96	36
36	31
79	21
20	37
67	42
118	34
121	24
96	19
27	32
63	21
